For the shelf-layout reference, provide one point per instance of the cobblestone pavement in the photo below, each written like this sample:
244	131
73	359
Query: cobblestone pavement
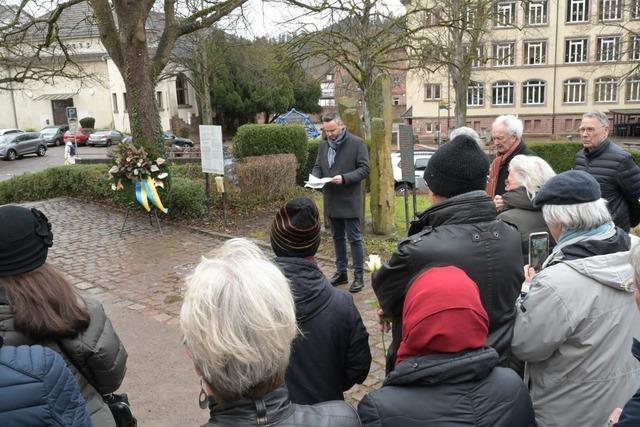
144	270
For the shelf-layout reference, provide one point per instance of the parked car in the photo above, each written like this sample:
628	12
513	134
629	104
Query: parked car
10	130
54	135
105	137
168	137
81	137
420	161
16	145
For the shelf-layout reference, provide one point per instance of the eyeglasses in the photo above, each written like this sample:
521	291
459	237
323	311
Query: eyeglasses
589	130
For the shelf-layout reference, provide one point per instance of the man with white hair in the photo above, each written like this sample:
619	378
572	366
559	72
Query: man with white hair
613	168
506	134
574	326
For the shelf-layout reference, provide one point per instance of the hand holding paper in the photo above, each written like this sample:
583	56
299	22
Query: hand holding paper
317	183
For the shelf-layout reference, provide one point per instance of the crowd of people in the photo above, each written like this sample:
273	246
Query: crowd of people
479	337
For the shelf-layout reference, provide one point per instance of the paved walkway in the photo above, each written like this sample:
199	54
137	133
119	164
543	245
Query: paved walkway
140	280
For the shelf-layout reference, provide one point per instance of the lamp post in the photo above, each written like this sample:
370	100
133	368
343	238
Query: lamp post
443	104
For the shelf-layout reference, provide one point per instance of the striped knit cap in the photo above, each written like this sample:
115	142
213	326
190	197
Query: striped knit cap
295	231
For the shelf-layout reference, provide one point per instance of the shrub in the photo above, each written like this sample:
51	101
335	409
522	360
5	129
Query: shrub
266	178
184	132
261	140
88	122
560	155
312	153
187	199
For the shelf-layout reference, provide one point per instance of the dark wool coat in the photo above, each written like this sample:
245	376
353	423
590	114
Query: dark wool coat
37	389
462	231
504	170
275	409
619	179
449	390
630	416
96	357
352	162
520	212
332	352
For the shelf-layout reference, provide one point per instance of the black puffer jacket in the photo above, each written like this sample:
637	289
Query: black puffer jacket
275	409
619	179
96	357
332	353
519	211
449	390
462	231
504	170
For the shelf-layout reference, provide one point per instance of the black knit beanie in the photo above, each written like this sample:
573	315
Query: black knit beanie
458	167
295	231
25	239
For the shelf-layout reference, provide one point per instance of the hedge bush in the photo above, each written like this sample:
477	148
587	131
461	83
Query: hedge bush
560	155
312	150
259	140
266	178
88	122
187	198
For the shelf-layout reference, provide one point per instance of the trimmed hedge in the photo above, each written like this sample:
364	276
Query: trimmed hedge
88	122
312	150
560	155
266	178
259	140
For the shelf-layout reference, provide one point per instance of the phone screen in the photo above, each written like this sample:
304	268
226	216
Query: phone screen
538	249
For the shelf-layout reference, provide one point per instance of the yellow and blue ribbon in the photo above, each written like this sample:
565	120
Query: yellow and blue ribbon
145	192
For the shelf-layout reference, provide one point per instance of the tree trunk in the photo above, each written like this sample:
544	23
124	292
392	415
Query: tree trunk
382	194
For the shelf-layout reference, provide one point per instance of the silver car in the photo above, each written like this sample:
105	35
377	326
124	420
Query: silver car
16	145
105	137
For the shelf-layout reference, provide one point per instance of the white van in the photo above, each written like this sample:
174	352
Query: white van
420	161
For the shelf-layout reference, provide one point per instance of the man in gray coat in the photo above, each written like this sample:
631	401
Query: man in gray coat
343	157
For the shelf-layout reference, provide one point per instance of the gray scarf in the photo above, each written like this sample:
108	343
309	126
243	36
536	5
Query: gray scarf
333	146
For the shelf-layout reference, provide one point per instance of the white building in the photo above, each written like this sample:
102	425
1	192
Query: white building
34	105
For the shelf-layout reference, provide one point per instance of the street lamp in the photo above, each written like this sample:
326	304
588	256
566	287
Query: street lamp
442	105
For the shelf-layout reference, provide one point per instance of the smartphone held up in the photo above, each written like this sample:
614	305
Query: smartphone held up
538	249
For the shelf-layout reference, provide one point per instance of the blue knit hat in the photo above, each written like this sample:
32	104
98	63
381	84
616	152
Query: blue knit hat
568	188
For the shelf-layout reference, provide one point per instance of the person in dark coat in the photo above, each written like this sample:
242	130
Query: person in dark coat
460	228
332	352
613	168
37	389
506	134
39	306
629	416
238	320
527	174
444	374
343	157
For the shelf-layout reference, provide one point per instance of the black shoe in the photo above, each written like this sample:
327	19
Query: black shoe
356	285
339	279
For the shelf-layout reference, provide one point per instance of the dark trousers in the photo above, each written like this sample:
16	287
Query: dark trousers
352	228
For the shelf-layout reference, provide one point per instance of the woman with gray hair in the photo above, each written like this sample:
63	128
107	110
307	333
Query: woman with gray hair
574	325
527	175
238	321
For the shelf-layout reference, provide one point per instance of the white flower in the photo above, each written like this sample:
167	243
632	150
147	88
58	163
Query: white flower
163	175
154	168
113	187
114	169
374	263
160	161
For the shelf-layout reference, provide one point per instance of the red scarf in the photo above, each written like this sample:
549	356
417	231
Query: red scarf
494	170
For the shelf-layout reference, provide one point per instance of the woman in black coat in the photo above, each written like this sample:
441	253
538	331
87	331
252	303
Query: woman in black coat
444	373
527	174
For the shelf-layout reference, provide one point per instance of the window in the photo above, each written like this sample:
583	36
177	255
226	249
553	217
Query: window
610	10
396	80
608	50
502	93
634	55
476	58
575	91
606	89
575	51
535	53
159	101
475	94
182	91
328	77
535	12
504	54
633	88
114	101
505	14
635	9
330	102
470	16
328	90
396	100
577	10
126	104
533	92
432	91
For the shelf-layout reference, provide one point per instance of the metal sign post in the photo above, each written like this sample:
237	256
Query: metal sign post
72	121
